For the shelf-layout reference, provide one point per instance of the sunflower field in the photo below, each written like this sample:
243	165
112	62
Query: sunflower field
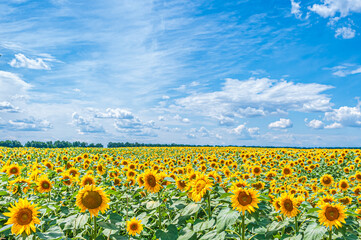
183	193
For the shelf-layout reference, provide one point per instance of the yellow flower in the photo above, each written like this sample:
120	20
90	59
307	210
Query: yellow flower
151	181
199	187
288	205
87	180
332	214
245	199
134	226
23	216
92	198
326	180
44	184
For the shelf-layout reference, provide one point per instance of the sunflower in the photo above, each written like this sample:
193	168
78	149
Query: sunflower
92	198
343	185
326	180
67	179
287	171
151	181
87	180
256	170
14	169
288	205
199	187
181	184
134	226
23	217
44	184
245	199
332	214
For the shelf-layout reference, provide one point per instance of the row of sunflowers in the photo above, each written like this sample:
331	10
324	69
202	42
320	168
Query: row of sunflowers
180	193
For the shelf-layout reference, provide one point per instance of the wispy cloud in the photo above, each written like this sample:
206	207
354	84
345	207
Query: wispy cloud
21	61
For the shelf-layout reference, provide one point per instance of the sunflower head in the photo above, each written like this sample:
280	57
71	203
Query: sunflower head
44	184
134	226
288	205
92	198
326	180
23	217
245	199
151	181
332	214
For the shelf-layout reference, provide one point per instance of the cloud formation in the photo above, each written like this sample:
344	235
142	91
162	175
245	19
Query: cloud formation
257	97
21	61
283	123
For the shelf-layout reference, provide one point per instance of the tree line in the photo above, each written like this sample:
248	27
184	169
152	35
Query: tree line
136	144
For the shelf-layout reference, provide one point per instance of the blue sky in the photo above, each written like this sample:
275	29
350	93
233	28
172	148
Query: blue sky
281	73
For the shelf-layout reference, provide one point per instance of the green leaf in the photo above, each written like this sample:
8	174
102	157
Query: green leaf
226	217
190	235
212	235
52	233
171	234
190	209
81	220
314	232
110	226
4	228
3	193
204	225
152	204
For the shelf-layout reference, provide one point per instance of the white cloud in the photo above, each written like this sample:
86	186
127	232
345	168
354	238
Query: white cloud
345	32
315	124
245	133
115	113
162	118
12	85
86	125
329	8
257	97
251	112
181	119
281	124
30	124
295	9
345	70
334	125
346	116
21	61
8	107
165	97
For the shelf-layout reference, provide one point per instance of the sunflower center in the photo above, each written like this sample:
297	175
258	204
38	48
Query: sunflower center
88	182
182	184
92	200
134	226
151	181
257	170
332	213
24	217
244	199
326	180
288	204
45	185
286	171
200	185
13	170
343	185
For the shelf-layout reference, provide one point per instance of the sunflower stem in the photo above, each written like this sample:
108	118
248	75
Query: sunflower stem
209	205
95	228
296	224
330	234
243	227
159	212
